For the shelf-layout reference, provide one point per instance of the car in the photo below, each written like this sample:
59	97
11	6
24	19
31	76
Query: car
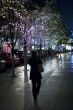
7	58
2	65
22	58
16	60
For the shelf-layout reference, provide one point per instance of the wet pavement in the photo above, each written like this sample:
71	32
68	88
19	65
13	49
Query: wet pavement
56	90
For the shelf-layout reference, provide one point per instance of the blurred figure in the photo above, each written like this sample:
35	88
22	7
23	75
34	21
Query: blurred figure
35	75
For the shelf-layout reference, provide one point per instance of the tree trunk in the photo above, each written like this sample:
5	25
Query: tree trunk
25	59
12	51
13	73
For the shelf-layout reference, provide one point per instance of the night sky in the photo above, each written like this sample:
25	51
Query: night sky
66	9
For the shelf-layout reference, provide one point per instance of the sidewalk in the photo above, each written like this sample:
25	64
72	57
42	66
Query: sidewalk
12	91
56	91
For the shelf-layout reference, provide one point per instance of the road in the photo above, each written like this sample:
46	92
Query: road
56	90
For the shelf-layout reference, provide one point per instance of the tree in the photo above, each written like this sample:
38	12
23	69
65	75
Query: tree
12	15
57	28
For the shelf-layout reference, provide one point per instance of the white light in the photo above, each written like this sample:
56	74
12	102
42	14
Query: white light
68	47
33	47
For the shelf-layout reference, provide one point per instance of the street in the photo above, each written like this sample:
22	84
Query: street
56	90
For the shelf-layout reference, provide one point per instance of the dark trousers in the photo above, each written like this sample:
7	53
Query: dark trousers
36	84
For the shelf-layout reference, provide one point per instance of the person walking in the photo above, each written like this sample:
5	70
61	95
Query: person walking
35	74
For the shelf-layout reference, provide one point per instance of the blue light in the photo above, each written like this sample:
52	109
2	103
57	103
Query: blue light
72	34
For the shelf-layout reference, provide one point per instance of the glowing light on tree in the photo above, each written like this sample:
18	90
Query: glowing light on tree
47	25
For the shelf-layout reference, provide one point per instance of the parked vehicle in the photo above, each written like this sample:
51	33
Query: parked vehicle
22	58
7	58
2	65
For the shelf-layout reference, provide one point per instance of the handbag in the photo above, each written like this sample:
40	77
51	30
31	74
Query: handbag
40	68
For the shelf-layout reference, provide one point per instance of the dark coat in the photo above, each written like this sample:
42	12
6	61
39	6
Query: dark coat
34	73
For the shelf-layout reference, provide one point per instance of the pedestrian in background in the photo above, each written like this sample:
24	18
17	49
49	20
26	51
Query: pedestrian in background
35	74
